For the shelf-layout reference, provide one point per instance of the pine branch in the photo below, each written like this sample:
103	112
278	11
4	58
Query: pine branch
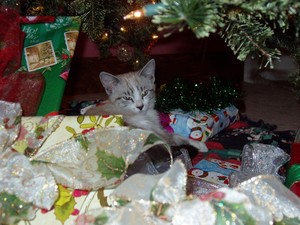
201	16
246	36
92	21
102	21
44	7
248	24
260	28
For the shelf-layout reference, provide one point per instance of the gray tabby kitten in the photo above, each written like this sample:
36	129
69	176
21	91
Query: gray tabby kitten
132	95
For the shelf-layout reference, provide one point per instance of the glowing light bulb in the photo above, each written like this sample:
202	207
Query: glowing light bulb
137	14
105	36
134	15
146	11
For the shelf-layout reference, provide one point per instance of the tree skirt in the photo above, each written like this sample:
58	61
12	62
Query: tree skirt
246	131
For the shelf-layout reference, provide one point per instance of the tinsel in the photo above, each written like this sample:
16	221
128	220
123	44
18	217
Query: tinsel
215	94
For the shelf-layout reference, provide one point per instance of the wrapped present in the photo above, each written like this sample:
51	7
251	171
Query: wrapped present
199	125
55	129
214	170
198	187
162	199
48	161
293	172
25	88
35	57
48	48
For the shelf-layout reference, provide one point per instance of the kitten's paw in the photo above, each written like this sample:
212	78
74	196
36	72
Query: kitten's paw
179	140
199	145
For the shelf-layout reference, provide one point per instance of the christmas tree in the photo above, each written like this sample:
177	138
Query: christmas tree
103	23
257	28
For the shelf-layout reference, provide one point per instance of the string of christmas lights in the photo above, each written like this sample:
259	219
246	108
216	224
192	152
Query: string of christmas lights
103	22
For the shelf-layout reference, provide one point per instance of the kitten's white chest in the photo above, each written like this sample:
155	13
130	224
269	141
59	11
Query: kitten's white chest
147	120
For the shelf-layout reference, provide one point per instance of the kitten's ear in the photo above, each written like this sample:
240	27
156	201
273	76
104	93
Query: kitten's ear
108	81
148	70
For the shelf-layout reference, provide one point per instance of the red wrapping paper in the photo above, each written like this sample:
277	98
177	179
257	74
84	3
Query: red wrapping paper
11	41
293	173
25	88
37	19
295	153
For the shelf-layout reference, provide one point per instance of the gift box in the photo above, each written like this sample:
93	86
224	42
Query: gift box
199	125
53	167
23	87
214	171
48	49
293	172
40	47
68	180
59	129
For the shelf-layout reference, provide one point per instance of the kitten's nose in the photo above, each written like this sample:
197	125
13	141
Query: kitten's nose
140	107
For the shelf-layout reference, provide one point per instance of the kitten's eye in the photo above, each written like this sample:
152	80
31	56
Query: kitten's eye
127	98
144	93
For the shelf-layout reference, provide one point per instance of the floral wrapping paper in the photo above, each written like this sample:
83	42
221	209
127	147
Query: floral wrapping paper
59	128
64	128
199	125
59	164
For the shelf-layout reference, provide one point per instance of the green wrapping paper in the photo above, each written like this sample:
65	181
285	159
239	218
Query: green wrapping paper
49	48
292	180
293	175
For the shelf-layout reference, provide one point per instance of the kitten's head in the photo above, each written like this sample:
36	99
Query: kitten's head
132	92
